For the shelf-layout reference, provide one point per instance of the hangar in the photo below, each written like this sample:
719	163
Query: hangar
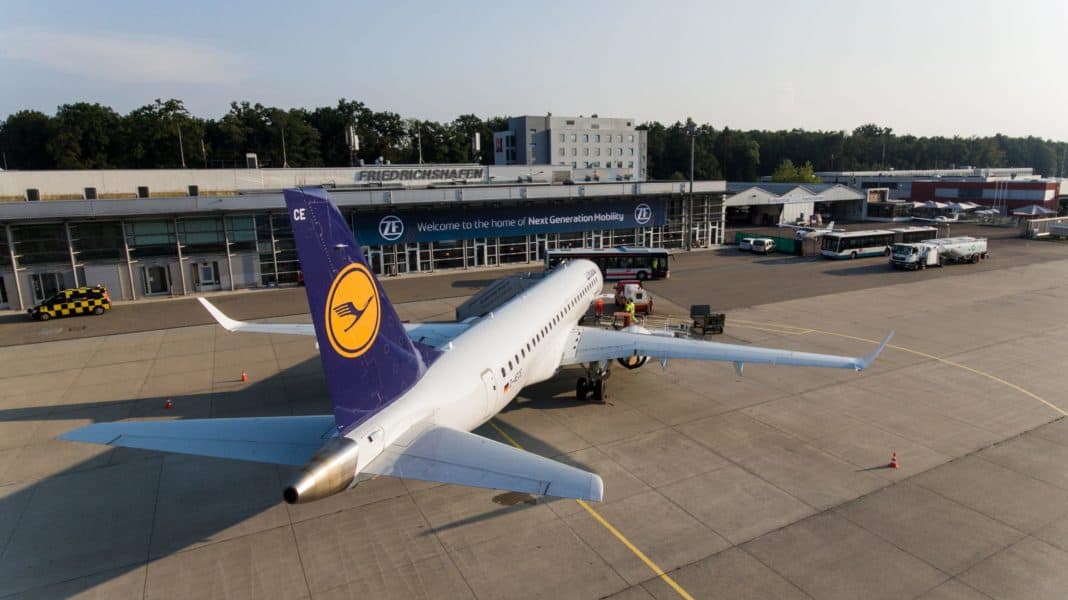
765	203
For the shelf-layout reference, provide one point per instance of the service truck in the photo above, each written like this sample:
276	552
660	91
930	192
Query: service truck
937	252
632	290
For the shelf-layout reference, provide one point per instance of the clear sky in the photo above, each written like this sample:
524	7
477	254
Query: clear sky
935	67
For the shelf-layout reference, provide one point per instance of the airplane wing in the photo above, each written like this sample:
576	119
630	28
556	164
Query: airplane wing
431	334
273	440
436	453
593	345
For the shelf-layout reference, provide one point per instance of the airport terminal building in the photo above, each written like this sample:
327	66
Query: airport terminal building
183	231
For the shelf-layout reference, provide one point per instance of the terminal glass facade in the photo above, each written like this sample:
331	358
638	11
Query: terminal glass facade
176	256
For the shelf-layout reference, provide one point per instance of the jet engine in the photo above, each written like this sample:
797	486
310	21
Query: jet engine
634	361
331	470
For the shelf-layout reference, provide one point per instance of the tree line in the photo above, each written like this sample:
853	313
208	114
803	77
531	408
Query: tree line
164	134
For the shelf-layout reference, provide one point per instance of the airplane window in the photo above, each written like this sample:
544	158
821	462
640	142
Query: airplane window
517	359
523	352
528	346
509	365
502	372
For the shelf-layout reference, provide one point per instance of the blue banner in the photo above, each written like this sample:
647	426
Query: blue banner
428	225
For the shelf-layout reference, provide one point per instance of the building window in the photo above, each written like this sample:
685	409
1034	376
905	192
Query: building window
630	164
585	164
631	138
632	150
533	131
596	151
597	138
620	138
585	138
574	152
619	151
574	137
563	151
563	138
586	151
574	165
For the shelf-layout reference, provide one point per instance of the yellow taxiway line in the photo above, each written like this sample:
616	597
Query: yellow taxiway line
611	529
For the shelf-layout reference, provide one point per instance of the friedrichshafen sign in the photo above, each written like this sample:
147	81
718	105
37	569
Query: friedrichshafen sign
402	174
400	226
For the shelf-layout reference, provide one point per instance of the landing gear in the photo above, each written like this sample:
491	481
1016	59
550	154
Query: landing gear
593	384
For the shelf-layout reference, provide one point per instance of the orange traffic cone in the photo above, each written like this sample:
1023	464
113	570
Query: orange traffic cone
893	461
244	377
168	404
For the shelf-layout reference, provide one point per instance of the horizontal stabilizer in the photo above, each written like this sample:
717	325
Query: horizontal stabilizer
441	454
273	440
246	327
431	334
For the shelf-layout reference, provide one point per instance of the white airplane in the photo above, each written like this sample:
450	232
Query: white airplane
405	397
803	230
953	218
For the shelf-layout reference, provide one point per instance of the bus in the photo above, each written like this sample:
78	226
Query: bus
621	262
913	234
854	244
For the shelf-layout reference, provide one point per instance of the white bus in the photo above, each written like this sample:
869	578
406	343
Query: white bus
621	262
855	244
913	234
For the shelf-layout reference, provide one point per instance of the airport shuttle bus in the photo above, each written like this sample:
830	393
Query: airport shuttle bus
621	262
913	234
856	244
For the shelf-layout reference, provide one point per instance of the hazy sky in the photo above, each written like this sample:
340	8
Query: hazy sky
925	67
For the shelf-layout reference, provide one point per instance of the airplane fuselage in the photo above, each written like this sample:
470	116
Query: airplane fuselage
485	367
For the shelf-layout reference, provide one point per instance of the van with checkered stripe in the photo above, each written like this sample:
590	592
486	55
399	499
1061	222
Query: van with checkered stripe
77	301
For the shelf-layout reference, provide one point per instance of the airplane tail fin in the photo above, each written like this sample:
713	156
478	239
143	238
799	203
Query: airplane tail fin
368	359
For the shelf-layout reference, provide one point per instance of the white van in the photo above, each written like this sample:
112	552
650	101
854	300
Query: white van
763	245
746	244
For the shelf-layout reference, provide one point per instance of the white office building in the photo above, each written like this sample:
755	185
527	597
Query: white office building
593	148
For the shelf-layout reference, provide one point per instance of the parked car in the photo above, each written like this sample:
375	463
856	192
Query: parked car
763	245
746	244
77	301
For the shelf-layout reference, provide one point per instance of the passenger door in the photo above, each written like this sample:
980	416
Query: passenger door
492	392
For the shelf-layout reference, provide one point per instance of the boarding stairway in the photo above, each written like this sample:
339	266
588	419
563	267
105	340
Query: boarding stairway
496	294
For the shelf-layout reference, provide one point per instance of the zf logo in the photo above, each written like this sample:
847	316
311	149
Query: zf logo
642	213
390	228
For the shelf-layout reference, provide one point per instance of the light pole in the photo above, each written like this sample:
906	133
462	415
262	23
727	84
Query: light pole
691	130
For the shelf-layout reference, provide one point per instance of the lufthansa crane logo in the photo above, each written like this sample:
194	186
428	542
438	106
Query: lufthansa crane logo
642	213
391	228
353	311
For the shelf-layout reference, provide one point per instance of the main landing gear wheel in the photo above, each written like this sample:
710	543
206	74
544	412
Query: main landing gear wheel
599	390
581	389
98	310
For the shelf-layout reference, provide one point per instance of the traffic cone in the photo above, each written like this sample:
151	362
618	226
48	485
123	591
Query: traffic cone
168	404
244	377
893	461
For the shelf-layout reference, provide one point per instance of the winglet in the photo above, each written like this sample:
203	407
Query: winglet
227	323
867	360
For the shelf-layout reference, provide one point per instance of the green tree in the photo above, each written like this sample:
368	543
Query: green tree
293	142
24	138
332	122
152	134
86	136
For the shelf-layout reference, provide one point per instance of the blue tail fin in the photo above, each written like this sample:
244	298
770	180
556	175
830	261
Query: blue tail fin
368	359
